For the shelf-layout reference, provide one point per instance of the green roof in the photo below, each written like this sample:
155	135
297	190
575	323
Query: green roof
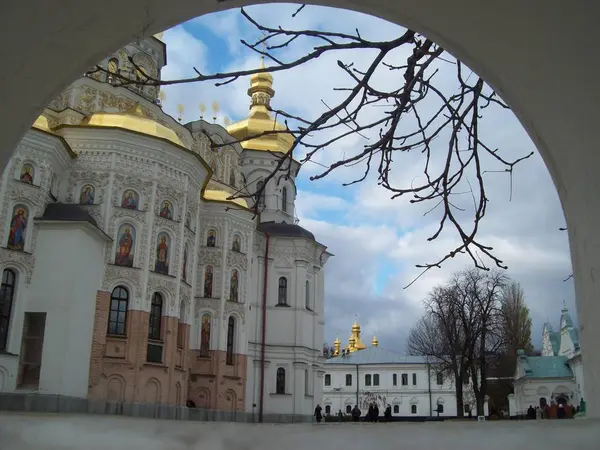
545	366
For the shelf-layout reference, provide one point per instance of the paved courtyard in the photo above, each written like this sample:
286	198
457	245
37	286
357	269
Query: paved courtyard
52	431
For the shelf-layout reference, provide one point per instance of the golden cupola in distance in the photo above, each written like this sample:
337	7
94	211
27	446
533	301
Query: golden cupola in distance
354	342
252	130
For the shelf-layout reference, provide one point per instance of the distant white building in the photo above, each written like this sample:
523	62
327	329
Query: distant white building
362	375
554	377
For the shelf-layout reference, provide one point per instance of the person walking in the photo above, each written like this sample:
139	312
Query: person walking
318	413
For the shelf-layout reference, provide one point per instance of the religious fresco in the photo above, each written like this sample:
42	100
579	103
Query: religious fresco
87	194
211	240
18	227
208	282
233	287
236	246
125	245
161	264
185	261
130	199
166	210
205	335
27	174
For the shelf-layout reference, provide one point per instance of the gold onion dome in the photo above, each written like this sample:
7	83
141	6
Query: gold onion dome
133	120
259	119
221	196
374	342
355	326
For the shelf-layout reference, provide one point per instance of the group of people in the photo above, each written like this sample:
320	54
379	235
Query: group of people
552	411
371	416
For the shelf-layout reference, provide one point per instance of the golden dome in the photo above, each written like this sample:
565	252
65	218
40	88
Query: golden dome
221	196
259	119
133	120
41	123
374	342
355	326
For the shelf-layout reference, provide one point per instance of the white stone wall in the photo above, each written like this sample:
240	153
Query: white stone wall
400	397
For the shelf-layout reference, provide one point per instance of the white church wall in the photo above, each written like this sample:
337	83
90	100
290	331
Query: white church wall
68	297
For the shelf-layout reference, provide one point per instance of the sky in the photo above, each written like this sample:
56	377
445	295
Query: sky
378	241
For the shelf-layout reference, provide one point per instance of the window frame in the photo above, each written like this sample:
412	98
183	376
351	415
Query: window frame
307	302
394	379
327	380
368	379
414	379
118	310
155	318
396	409
282	292
230	341
439	379
348	378
413	409
280	381
404	379
375	379
7	305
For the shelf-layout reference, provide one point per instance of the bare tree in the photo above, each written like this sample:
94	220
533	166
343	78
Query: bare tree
454	157
461	330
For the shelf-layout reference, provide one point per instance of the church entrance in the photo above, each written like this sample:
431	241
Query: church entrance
32	343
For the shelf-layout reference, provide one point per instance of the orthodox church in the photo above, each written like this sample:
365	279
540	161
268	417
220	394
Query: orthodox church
554	377
131	275
361	375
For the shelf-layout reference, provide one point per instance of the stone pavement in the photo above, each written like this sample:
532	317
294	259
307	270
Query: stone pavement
66	432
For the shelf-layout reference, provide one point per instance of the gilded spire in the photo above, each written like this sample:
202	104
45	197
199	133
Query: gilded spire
337	344
375	342
261	89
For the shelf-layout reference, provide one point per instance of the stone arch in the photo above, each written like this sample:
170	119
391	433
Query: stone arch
115	388
231	399
152	391
203	396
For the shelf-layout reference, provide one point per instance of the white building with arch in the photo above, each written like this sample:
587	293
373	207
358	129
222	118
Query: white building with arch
130	274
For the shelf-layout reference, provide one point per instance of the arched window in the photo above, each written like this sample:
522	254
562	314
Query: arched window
327	409
413	409
440	379
7	293
236	245
348	409
440	408
261	193
155	317
396	409
307	293
230	341
117	320
282	298
280	382
284	199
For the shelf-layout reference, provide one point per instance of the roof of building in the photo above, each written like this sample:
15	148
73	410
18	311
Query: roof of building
565	318
375	355
285	230
545	366
67	213
555	341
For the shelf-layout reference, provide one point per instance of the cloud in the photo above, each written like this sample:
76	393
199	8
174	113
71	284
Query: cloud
378	241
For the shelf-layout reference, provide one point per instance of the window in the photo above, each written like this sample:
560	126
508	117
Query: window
396	409
284	199
395	379
327	409
181	325
440	408
307	293
348	379
7	293
155	317
368	380
348	409
117	319
414	379
327	380
282	298
404	379
230	338
413	409
440	379
261	193
280	382
376	379
306	386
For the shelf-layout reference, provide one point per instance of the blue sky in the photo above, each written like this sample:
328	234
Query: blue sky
377	241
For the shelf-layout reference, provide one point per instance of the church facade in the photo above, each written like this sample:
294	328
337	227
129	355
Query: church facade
130	271
555	377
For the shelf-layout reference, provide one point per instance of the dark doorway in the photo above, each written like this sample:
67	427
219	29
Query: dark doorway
32	343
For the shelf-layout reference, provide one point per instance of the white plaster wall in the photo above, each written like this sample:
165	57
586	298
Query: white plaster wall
576	365
338	395
527	391
68	297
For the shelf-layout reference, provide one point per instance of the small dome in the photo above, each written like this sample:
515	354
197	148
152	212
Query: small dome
355	326
222	196
374	342
133	121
